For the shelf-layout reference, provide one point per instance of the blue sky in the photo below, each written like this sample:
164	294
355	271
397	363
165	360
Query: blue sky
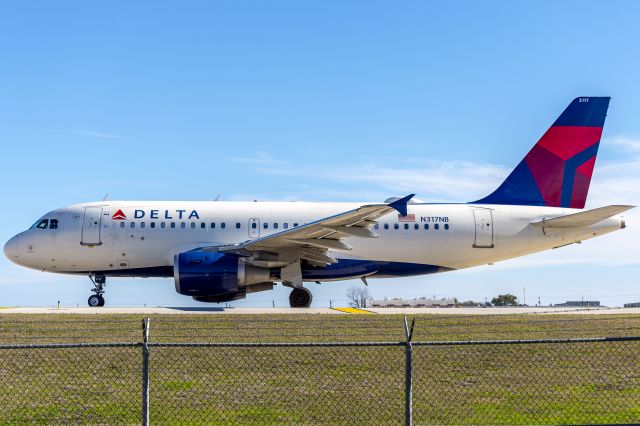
328	100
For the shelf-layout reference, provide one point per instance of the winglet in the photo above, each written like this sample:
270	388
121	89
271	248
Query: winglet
401	204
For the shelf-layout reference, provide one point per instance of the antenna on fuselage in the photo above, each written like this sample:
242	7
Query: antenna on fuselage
106	197
217	197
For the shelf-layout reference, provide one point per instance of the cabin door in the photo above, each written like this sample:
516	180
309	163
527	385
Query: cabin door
484	228
91	224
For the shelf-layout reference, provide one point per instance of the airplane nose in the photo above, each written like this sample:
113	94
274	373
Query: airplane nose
11	249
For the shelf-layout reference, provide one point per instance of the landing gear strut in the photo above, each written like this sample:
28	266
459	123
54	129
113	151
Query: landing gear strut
300	297
99	282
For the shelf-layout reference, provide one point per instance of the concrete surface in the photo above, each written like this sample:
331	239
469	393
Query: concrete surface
249	311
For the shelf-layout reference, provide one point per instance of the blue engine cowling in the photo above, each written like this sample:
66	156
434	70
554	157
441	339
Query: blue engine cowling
216	277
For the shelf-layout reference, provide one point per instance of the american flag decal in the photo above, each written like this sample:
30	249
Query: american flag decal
407	218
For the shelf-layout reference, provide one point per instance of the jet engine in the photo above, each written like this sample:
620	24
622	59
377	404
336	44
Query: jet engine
217	277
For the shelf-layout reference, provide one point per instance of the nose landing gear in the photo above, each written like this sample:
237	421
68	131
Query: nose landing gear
99	281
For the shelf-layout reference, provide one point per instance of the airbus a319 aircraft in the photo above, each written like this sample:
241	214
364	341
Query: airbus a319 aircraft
221	251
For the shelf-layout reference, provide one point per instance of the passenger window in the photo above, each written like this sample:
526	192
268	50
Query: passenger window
254	225
213	225
446	226
44	223
286	225
122	224
53	224
436	226
223	225
396	226
416	226
203	225
376	226
132	224
426	226
162	225
275	225
183	225
265	225
406	226
193	225
152	224
386	226
237	225
295	225
173	225
142	224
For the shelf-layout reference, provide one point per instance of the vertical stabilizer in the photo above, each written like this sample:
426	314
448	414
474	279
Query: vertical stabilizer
557	171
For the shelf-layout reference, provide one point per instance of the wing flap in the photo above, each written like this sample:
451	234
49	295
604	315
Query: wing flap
352	231
584	218
317	256
324	243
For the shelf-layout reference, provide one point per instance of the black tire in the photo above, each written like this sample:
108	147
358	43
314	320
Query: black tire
94	301
300	298
101	301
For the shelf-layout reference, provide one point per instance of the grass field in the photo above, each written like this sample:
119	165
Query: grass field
487	384
21	328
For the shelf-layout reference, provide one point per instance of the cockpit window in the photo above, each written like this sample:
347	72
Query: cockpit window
43	224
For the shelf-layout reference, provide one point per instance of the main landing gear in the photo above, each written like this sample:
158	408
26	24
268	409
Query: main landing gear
300	297
99	281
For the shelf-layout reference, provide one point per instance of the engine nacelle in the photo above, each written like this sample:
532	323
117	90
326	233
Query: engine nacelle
241	294
221	298
217	277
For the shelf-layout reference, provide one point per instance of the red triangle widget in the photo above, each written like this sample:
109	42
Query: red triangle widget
119	215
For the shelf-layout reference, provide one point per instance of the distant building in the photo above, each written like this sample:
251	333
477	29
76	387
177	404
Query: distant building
632	305
422	302
580	303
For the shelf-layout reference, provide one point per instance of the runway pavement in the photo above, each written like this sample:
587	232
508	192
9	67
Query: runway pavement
189	310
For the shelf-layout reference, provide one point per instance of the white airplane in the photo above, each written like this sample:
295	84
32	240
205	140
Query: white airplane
220	251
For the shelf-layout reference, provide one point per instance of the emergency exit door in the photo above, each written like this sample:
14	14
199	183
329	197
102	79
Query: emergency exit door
254	228
91	223
484	228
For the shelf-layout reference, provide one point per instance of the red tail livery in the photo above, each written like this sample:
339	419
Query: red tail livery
557	171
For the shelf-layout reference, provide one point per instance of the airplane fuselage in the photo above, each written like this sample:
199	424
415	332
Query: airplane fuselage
141	238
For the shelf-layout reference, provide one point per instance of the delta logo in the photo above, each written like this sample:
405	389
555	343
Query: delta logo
119	215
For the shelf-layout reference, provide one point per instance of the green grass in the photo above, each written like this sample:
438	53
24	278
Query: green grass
487	384
21	328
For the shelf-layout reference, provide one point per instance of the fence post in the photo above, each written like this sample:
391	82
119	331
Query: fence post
145	372
408	374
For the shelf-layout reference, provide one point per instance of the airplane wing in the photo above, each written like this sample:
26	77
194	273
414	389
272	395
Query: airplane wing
311	241
584	218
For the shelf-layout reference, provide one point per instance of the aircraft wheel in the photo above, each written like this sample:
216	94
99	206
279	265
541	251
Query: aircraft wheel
94	300
300	298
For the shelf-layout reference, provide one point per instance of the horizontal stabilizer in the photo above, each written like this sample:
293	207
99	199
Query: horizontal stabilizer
585	218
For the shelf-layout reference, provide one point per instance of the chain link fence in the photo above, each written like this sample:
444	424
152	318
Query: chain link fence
558	381
70	384
570	381
273	384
